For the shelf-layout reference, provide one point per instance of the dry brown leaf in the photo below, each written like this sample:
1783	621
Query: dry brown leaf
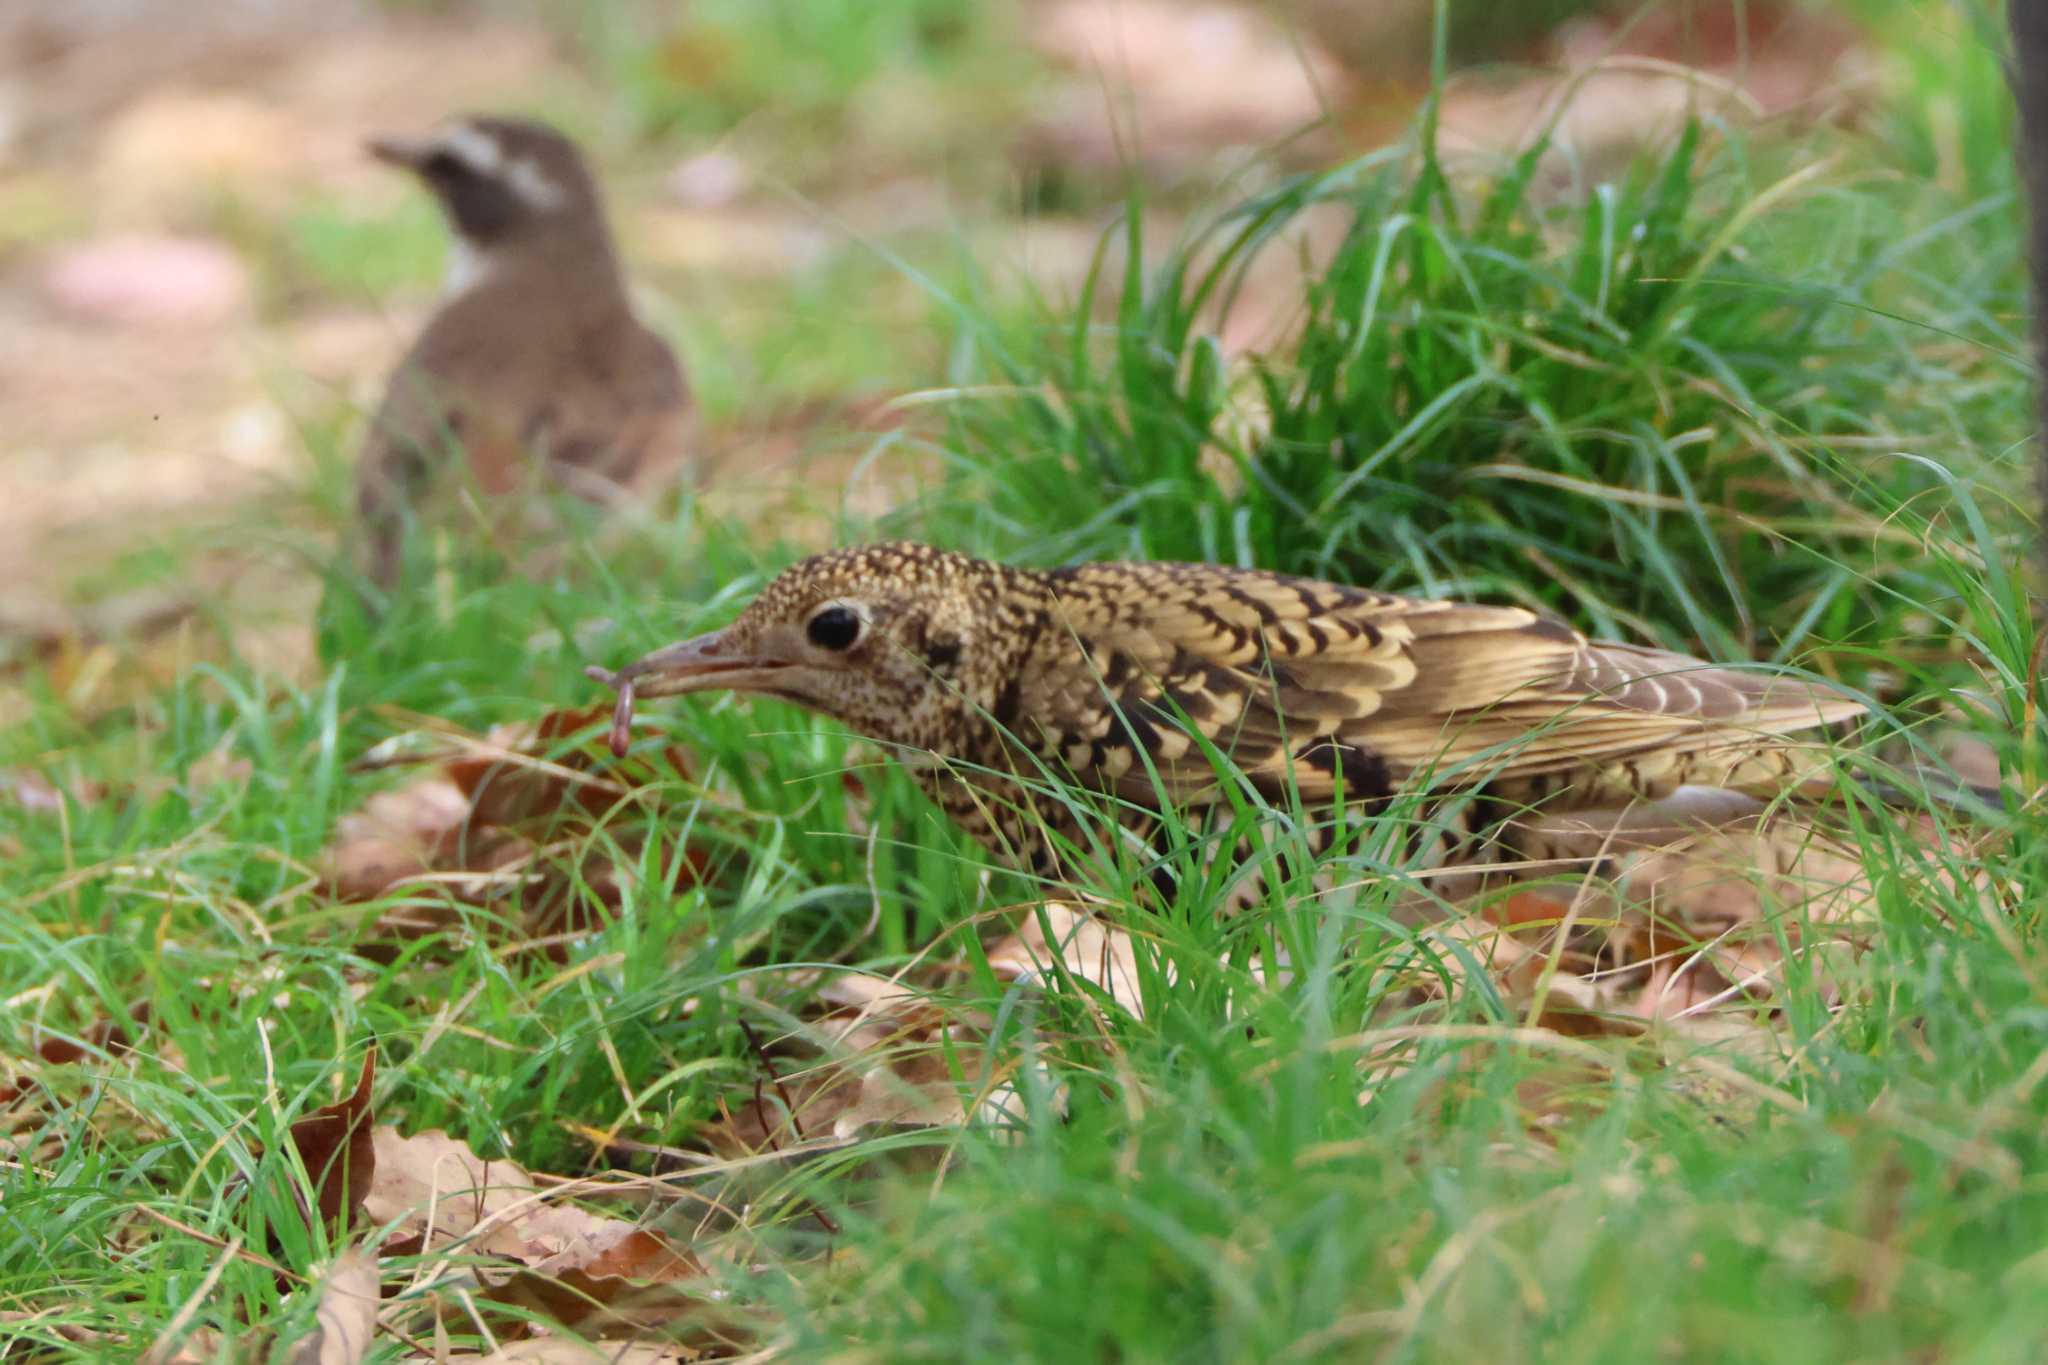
433	1190
1689	928
335	1146
102	1035
201	1346
1083	944
617	1275
347	1317
564	1351
438	1195
396	836
17	1325
502	820
916	1091
507	786
875	1055
1783	55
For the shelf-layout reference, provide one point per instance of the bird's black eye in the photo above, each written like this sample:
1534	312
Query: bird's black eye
444	166
834	627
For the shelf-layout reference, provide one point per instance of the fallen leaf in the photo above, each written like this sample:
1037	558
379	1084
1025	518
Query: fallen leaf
24	1329
1087	947
399	835
1782	56
1703	909
432	1190
566	1351
201	1346
347	1317
436	1195
102	1035
878	1054
336	1148
503	820
614	1275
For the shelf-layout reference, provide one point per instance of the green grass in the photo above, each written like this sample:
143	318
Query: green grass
338	251
1728	403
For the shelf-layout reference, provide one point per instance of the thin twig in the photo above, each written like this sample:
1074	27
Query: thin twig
239	1253
825	1220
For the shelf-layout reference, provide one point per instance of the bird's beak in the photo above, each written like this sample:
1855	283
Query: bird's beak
703	664
406	152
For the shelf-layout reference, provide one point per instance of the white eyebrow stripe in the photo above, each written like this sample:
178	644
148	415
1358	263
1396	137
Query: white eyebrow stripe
474	148
531	184
483	154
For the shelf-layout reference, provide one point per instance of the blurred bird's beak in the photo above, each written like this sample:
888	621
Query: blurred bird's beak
702	664
406	152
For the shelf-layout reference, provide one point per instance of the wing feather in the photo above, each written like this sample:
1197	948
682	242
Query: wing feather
1315	683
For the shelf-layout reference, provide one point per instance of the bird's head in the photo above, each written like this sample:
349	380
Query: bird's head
500	180
901	642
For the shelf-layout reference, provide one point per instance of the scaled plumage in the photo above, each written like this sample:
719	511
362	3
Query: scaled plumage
989	679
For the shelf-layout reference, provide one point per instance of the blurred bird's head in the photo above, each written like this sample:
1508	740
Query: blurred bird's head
903	643
503	184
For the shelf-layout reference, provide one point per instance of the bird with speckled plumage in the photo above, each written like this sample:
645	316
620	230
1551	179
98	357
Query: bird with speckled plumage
1120	677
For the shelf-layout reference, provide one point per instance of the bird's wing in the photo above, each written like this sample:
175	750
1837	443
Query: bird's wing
423	426
617	403
507	410
1315	683
453	401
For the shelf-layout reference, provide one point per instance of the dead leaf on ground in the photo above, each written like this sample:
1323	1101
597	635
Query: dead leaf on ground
1695	930
870	1052
102	1035
335	1147
399	835
565	1351
21	1328
873	1052
1085	946
347	1317
438	1197
504	821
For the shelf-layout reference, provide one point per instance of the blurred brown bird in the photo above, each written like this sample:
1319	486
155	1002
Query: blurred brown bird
990	679
534	369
